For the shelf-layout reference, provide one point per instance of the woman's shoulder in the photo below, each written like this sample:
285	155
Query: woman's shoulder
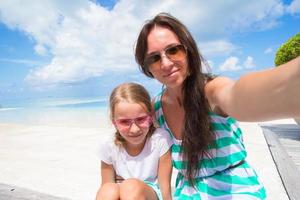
218	93
218	81
156	101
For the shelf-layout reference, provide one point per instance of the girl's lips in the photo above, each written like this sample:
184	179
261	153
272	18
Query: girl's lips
136	136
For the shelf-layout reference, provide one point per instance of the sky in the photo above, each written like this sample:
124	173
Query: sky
81	48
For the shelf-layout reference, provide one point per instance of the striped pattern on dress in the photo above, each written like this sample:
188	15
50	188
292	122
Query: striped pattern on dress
217	177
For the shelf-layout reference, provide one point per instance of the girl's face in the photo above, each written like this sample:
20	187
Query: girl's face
132	121
170	73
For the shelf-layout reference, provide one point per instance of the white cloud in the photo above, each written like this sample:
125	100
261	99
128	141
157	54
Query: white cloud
249	64
216	47
268	50
294	7
85	40
232	64
40	49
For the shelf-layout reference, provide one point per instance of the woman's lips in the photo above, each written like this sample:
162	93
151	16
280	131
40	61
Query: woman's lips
171	73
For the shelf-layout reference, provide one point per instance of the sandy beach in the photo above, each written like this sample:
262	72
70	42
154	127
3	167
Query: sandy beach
62	160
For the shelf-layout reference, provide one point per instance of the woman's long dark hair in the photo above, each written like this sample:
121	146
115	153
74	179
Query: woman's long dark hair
197	134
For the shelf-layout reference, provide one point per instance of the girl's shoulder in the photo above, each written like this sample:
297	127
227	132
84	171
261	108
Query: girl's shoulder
160	133
108	144
107	150
161	136
160	141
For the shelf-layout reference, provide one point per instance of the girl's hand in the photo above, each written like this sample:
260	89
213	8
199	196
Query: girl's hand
119	179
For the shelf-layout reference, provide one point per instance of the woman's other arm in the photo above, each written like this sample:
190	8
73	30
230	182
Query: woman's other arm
259	96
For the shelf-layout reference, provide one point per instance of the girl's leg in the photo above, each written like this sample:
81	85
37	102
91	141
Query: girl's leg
108	191
134	189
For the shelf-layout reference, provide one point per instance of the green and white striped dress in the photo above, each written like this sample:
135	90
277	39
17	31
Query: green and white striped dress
219	177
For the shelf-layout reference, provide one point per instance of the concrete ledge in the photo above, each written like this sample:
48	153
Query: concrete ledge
288	170
8	192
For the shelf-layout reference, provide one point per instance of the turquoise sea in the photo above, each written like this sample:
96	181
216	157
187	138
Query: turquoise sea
83	112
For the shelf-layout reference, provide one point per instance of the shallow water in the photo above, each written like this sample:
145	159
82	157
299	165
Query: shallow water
57	112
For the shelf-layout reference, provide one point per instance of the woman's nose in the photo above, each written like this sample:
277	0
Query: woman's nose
166	63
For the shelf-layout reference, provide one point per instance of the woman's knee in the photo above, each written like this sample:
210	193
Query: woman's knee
108	191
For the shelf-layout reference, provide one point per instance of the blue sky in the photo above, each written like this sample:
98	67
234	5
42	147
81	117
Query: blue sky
84	49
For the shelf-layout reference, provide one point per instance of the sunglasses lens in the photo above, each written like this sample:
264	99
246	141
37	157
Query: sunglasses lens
125	124
176	53
143	121
153	60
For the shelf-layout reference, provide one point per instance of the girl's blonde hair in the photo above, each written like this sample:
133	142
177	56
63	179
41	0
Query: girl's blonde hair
132	93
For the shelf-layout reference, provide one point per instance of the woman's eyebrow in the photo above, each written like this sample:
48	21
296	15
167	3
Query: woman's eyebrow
158	52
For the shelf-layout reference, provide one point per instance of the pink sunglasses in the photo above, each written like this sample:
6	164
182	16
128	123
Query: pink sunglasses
125	124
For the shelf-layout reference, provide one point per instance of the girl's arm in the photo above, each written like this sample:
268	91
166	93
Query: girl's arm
259	96
107	176
107	173
164	175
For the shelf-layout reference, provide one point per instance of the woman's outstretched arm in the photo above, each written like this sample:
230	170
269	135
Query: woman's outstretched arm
259	96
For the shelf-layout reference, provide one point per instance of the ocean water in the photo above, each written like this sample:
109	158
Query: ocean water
81	112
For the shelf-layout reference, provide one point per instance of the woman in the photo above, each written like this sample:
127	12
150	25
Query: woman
208	149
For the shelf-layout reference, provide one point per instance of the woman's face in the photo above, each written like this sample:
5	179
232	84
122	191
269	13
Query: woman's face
170	73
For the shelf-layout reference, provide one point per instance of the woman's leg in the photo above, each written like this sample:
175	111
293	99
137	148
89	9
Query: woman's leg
109	191
134	189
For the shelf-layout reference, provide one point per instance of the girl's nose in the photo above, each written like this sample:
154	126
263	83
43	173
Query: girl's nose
134	128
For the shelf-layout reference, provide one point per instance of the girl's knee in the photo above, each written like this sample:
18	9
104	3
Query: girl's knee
108	191
131	189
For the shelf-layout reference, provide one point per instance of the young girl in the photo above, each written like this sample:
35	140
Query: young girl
139	154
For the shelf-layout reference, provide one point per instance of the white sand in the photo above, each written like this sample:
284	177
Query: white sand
62	160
